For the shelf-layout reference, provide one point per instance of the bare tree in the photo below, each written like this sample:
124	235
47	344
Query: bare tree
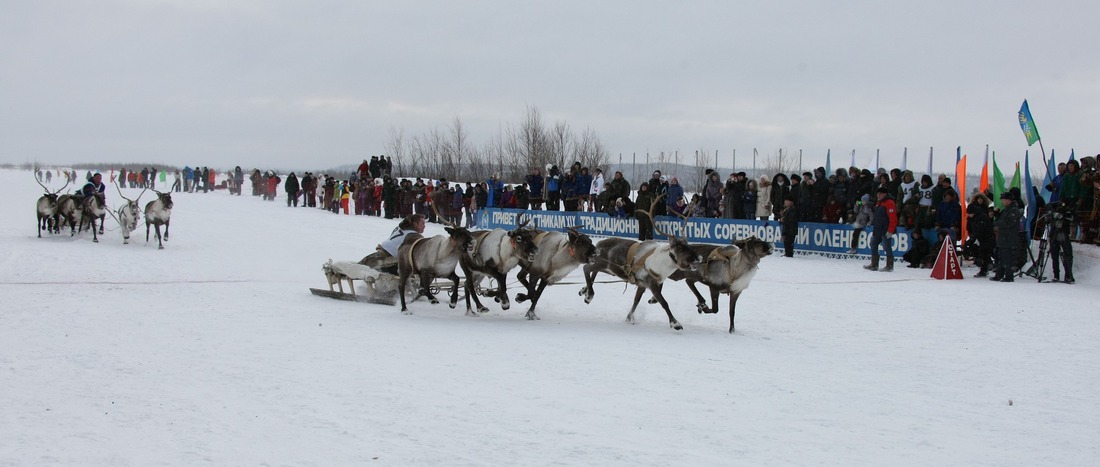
703	162
590	151
776	162
531	143
562	145
395	145
456	151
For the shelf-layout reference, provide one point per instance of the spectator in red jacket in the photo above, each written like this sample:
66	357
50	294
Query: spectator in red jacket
885	223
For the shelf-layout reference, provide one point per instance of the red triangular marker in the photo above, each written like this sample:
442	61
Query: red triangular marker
947	264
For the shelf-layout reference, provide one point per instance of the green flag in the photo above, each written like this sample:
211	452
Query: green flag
1028	124
998	183
163	176
1016	179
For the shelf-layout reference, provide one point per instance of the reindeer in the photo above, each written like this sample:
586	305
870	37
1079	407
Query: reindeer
496	253
644	264
431	257
725	269
95	207
559	253
128	215
69	212
158	212
47	210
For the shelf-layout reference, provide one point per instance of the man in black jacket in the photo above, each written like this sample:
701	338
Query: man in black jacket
1007	228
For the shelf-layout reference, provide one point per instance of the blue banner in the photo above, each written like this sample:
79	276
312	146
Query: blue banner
812	237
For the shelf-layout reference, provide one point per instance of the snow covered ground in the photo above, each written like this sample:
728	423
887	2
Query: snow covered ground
212	351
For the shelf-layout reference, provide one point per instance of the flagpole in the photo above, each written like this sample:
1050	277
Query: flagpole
1043	152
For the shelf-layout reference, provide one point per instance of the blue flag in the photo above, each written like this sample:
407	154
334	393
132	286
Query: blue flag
1028	124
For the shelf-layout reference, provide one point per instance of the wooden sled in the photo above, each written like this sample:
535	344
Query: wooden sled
354	298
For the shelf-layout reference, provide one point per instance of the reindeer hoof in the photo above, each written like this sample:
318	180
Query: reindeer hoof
652	300
453	304
470	312
160	247
433	301
482	309
531	316
677	326
587	299
520	298
95	240
505	305
406	312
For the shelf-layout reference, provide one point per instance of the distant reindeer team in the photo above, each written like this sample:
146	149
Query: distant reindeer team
545	257
80	212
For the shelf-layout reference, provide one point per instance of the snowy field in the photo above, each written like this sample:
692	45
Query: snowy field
213	351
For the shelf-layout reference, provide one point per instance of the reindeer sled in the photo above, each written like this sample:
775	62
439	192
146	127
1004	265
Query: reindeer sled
381	287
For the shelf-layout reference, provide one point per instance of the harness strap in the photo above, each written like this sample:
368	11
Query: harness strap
410	256
634	264
714	255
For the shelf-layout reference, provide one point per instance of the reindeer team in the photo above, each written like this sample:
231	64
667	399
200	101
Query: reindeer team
78	212
545	257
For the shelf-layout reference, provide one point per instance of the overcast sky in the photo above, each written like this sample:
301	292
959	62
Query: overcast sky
322	83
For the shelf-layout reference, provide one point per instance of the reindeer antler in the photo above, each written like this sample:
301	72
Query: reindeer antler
128	199
649	213
524	224
48	190
441	218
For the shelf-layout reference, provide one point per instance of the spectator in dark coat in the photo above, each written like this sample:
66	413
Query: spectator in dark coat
949	215
675	193
789	217
781	189
534	189
920	249
979	226
645	200
712	194
1007	230
620	188
292	187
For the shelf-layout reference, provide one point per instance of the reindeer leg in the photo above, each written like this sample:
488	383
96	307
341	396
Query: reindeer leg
95	237
522	277
664	304
701	303
714	292
166	229
160	244
535	299
589	277
454	290
101	225
402	279
501	294
733	308
470	286
425	287
637	298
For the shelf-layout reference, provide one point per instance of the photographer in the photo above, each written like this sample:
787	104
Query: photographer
1059	226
